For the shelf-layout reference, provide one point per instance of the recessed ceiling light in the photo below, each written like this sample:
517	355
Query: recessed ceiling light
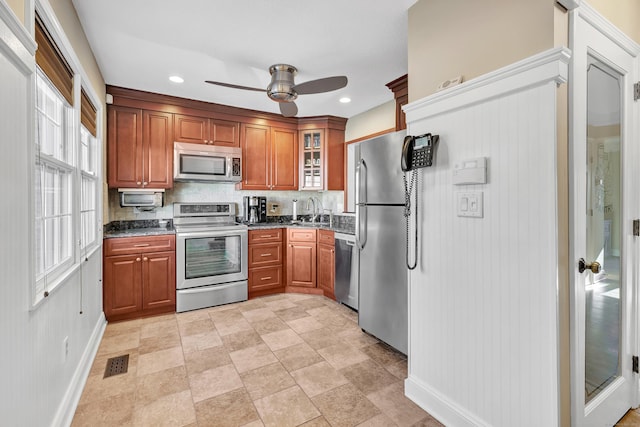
345	100
176	79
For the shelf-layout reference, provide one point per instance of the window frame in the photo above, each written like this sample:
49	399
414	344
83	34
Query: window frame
81	83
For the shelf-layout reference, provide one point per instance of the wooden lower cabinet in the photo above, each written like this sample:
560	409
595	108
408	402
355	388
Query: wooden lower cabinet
326	262
265	262
308	265
301	260
138	281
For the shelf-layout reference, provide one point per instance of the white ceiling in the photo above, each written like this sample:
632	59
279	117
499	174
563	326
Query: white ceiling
139	43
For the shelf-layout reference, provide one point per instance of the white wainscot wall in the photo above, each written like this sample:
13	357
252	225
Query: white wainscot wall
40	385
483	323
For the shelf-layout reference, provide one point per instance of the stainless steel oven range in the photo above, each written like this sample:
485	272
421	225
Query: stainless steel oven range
211	255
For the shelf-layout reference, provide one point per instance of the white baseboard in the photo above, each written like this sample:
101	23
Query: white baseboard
439	406
69	403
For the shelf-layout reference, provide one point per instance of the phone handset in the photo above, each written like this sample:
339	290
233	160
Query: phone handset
417	152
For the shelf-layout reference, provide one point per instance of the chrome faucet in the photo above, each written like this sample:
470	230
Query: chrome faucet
313	205
316	204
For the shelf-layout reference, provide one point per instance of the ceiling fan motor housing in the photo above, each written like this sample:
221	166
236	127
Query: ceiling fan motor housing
281	87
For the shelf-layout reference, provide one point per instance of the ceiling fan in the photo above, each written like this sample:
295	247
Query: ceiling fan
283	90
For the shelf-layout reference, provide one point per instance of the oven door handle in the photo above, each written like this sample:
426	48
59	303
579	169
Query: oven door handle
202	289
212	233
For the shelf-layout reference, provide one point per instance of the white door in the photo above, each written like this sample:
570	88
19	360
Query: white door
603	327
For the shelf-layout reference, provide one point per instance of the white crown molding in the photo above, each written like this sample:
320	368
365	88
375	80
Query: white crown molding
610	31
551	65
15	42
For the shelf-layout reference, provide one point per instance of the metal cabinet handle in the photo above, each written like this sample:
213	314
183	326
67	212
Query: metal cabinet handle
139	182
265	254
145	259
145	183
140	245
138	259
266	278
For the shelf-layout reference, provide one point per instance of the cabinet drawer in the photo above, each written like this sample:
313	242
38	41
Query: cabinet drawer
134	245
265	254
262	236
302	234
265	278
325	237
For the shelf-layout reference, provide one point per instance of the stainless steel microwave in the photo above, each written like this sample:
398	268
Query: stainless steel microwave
199	162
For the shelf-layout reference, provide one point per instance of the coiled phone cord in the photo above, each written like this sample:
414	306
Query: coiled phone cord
413	182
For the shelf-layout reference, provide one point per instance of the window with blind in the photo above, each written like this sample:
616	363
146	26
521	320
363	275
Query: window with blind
66	181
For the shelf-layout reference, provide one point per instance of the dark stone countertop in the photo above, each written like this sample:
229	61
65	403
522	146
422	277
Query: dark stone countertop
137	232
137	228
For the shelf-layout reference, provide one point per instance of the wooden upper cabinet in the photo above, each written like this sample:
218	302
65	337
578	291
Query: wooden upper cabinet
203	130
124	142
224	132
269	158
157	149
256	161
140	148
284	159
191	129
322	153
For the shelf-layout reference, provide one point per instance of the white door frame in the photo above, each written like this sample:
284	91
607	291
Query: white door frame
591	34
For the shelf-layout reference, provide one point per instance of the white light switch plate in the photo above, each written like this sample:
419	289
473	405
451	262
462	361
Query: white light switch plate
470	204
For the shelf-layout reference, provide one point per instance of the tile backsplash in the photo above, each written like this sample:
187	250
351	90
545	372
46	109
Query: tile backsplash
224	192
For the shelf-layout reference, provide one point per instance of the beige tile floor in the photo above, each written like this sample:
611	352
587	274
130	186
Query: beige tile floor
281	360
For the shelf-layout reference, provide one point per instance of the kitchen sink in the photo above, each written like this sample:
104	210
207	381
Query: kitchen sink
307	224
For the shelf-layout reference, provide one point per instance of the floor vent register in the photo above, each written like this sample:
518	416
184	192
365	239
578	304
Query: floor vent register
116	365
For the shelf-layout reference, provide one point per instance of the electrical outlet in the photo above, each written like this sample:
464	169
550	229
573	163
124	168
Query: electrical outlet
65	348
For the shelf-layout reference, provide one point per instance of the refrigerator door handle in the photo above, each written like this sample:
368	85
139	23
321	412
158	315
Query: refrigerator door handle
361	204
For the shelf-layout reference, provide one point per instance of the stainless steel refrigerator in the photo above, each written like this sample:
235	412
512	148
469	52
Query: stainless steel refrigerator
380	236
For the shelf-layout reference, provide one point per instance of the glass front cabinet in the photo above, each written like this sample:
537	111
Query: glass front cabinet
312	159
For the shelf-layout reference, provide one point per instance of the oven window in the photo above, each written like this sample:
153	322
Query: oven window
212	256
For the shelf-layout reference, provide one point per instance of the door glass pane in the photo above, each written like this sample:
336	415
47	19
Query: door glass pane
603	324
212	256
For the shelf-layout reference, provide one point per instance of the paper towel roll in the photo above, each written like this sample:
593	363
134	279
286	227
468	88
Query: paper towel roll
295	210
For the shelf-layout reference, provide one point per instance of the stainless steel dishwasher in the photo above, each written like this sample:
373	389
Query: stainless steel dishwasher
347	270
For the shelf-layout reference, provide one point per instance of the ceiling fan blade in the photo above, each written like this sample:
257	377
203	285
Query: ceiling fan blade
235	86
321	85
288	109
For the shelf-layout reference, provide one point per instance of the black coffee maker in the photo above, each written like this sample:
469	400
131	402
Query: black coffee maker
255	209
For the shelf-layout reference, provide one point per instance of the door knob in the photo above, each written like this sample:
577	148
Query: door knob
593	266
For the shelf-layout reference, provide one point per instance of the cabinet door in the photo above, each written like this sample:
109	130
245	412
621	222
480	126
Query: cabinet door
158	280
326	269
255	157
157	136
225	133
124	142
301	264
122	285
284	159
191	129
312	159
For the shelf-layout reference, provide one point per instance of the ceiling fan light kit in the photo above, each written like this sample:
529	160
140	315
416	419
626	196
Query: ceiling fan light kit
283	89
